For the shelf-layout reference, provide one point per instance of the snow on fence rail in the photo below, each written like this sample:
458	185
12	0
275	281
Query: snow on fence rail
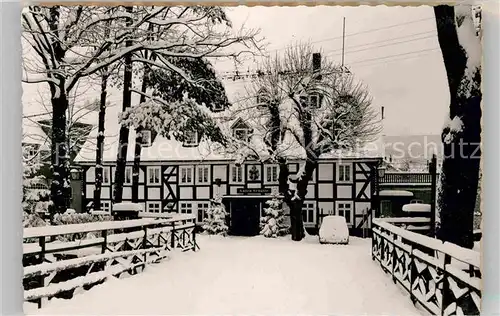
420	225
442	277
51	271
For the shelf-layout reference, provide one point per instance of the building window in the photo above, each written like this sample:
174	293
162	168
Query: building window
344	173
146	138
105	175
186	208
186	175
128	175
345	209
314	100
29	152
242	134
191	139
153	175
272	174
153	207
262	97
308	213
203	174
202	211
311	100
106	206
386	208
237	174
217	106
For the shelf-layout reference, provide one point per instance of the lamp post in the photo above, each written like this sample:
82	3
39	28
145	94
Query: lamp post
380	174
75	174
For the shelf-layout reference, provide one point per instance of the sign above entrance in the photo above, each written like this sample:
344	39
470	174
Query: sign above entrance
253	190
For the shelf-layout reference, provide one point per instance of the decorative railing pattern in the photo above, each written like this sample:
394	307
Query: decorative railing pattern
53	270
443	278
406	177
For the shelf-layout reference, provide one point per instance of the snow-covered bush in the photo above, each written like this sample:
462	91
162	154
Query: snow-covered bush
215	222
35	188
78	218
273	223
33	220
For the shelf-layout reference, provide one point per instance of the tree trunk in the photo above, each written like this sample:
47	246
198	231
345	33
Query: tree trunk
138	146
136	166
100	142
460	170
121	159
297	201
60	189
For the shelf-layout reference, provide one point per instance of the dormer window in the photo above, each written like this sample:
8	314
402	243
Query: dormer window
242	134
241	131
146	138
216	107
29	152
191	139
262	97
312	100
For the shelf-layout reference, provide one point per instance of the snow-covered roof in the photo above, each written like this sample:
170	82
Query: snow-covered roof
413	147
163	149
395	193
416	207
33	132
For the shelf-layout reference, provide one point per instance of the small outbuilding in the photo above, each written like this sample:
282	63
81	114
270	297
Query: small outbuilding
392	201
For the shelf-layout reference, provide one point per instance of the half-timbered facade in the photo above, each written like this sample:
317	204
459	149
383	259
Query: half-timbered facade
183	177
343	187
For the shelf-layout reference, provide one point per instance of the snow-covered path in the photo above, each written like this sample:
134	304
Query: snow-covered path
250	276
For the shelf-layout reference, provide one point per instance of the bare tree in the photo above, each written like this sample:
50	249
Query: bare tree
461	50
300	106
67	45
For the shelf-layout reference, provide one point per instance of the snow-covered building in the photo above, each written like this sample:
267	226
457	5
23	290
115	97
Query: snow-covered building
183	177
412	153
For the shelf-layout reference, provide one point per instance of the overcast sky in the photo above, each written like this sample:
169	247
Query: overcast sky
411	85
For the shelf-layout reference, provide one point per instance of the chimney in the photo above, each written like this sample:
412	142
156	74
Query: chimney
382	113
316	63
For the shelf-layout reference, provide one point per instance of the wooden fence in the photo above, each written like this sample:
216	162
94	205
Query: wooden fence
443	278
59	268
421	225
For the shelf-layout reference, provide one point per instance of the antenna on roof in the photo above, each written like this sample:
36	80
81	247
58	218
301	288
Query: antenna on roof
343	41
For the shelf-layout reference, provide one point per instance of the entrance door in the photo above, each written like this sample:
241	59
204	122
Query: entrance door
245	217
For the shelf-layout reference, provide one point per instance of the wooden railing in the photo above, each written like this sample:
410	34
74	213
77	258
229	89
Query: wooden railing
58	269
443	278
407	177
421	225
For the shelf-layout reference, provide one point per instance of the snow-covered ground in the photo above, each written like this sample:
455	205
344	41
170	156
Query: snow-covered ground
251	276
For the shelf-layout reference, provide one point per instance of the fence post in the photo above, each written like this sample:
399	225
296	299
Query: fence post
393	257
145	243
105	241
382	249
172	241
433	172
194	238
41	243
412	273
373	244
446	285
